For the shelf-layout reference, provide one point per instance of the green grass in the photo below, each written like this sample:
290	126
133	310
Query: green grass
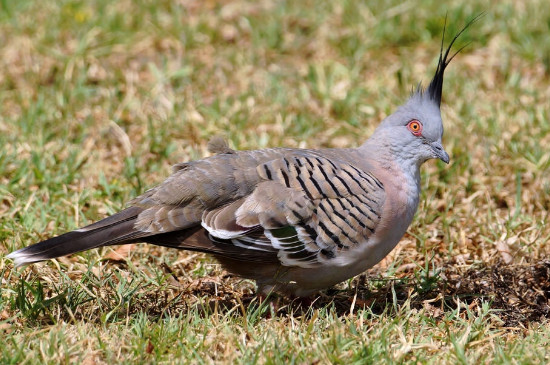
98	99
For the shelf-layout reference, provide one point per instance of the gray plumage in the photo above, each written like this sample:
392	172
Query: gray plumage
294	220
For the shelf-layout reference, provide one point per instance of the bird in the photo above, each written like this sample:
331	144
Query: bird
296	221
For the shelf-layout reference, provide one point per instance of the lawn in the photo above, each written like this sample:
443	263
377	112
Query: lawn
99	98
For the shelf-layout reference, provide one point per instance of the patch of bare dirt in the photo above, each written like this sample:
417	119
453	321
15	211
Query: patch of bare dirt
521	294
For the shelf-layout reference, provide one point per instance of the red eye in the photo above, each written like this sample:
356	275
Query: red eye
415	127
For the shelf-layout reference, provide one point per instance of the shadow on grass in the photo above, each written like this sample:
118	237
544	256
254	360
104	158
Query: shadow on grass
518	295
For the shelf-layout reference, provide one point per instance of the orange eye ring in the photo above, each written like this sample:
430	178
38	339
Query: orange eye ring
415	127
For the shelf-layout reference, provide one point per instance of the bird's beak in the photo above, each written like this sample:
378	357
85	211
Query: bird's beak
439	152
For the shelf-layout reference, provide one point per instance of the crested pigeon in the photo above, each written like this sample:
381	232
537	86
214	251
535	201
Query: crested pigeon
294	220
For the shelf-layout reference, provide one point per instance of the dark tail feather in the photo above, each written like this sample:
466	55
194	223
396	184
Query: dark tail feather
116	229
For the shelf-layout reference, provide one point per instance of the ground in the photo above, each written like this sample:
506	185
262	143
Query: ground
99	99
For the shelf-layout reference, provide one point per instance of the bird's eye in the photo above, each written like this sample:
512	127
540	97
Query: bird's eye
415	127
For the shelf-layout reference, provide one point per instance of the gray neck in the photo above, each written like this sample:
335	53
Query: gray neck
402	171
382	149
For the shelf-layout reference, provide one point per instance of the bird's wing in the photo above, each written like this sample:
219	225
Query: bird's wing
300	208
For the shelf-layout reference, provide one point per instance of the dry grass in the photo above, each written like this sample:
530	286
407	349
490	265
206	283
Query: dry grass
100	98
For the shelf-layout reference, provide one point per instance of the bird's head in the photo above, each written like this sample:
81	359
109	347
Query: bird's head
416	128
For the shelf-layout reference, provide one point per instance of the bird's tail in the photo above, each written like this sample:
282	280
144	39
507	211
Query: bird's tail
116	229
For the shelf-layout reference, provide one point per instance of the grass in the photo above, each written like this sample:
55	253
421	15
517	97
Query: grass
98	99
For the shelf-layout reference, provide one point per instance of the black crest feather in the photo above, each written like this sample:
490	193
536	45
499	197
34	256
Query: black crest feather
436	85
